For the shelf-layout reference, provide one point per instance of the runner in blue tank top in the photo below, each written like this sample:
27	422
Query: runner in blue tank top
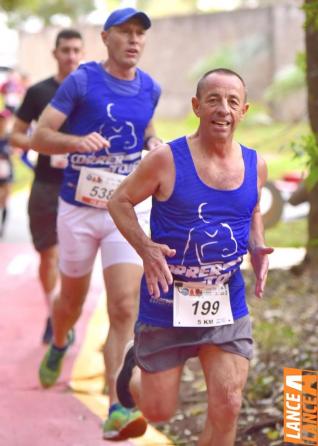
108	109
205	217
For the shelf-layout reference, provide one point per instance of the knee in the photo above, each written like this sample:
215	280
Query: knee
122	308
157	412
224	409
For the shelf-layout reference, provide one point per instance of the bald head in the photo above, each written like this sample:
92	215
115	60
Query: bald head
221	71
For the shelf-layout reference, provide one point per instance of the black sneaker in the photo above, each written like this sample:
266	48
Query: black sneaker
124	376
48	332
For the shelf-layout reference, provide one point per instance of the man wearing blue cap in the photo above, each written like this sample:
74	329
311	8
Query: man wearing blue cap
108	108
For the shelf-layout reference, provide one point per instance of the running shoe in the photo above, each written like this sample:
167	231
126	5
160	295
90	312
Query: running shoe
48	332
123	424
51	364
124	376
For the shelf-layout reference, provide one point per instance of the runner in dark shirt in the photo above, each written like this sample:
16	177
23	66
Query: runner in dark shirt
42	207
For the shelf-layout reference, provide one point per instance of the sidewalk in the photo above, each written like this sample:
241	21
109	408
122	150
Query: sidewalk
28	414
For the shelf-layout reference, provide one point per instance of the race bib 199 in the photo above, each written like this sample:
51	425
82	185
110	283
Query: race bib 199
200	305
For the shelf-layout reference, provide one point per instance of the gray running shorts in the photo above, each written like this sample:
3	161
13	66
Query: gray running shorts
42	210
158	349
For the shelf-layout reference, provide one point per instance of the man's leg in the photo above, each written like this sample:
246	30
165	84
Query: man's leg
48	275
42	210
48	272
226	375
67	307
156	394
122	283
75	241
66	311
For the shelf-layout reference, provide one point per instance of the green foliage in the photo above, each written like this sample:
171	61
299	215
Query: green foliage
288	234
270	334
287	80
233	57
311	11
11	5
301	61
70	8
306	147
19	10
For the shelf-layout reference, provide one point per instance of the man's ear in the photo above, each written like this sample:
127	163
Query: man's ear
244	110
195	105
104	35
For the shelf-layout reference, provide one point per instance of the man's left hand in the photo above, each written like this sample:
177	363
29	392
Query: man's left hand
259	261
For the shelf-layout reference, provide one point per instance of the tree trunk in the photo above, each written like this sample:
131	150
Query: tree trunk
312	245
311	31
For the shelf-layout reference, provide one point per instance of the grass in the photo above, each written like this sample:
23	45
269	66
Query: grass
291	234
271	141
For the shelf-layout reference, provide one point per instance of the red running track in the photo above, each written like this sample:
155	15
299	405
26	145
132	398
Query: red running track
29	415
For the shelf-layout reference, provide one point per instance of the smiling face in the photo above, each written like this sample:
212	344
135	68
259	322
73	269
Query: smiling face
220	104
125	43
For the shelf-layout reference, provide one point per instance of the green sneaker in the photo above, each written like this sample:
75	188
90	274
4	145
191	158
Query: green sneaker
124	423
51	364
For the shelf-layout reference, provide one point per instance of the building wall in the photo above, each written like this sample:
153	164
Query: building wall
264	39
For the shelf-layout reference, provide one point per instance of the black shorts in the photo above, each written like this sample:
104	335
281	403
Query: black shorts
42	210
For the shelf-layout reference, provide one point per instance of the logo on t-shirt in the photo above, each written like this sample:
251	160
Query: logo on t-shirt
120	133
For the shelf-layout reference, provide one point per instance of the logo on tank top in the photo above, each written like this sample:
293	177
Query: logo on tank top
120	157
120	133
206	241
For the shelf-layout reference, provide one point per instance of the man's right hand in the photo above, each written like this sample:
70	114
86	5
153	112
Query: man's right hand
156	268
93	142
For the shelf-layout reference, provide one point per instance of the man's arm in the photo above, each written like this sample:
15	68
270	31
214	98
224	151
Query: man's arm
150	178
48	140
19	136
151	139
257	248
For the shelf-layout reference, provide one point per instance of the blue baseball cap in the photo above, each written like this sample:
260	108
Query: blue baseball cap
123	15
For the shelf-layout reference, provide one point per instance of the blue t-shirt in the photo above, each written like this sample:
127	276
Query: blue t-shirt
209	229
120	110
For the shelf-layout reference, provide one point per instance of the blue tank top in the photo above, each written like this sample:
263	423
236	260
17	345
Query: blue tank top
120	118
209	229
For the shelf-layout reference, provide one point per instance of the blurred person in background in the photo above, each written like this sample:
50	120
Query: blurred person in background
6	171
43	200
12	90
